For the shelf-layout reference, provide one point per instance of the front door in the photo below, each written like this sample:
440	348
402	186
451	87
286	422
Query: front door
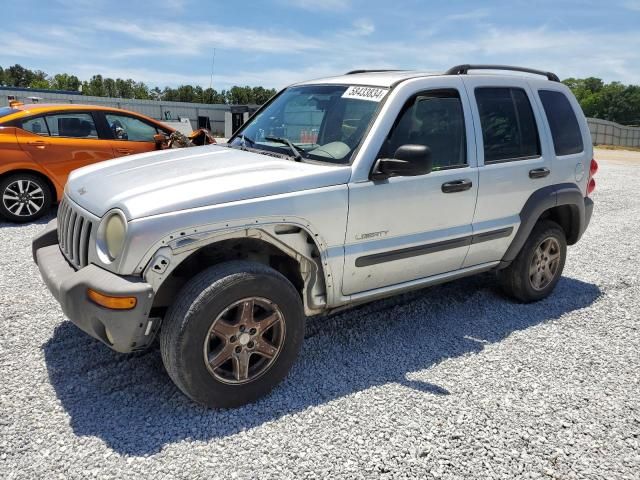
406	228
62	142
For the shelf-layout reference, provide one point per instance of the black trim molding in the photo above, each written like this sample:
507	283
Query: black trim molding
418	250
540	201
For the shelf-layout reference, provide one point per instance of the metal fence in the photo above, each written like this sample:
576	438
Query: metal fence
604	132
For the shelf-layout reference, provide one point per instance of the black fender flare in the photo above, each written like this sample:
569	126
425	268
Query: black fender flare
539	202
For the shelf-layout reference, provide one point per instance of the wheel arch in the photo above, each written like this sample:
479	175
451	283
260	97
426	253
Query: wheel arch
563	203
289	249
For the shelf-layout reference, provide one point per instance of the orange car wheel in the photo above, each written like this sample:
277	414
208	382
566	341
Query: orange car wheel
25	197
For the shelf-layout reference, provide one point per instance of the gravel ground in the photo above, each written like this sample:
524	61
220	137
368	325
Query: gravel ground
454	381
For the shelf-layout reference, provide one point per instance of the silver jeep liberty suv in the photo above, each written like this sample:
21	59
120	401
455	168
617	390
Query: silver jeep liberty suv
336	192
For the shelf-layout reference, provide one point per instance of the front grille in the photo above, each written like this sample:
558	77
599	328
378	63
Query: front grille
74	232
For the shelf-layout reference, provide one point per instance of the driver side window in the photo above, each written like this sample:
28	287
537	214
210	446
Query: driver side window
128	128
434	119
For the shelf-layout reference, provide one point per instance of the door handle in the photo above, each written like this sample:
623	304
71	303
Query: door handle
456	186
539	172
37	143
124	151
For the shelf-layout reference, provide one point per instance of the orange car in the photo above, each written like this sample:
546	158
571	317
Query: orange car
41	144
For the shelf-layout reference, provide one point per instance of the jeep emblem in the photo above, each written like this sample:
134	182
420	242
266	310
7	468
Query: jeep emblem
82	190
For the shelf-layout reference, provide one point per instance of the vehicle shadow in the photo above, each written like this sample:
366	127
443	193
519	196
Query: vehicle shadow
41	221
129	402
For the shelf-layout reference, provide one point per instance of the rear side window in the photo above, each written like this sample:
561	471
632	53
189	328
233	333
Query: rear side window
509	129
565	130
73	125
35	125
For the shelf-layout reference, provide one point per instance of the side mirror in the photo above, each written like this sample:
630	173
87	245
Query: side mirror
408	161
161	140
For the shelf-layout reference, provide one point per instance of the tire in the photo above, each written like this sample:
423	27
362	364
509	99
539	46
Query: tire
530	277
24	197
210	307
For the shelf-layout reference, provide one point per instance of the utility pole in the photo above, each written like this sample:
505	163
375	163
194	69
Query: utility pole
213	63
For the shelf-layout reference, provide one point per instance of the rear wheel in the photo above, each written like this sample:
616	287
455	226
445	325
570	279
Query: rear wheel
25	197
536	270
233	333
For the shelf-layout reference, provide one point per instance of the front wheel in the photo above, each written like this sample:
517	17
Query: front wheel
536	270
232	334
25	197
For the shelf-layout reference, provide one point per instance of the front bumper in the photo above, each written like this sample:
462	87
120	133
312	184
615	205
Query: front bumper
128	330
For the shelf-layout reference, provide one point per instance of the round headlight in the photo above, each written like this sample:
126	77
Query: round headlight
114	232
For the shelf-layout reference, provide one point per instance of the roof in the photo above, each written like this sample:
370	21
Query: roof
388	78
45	107
374	78
36	108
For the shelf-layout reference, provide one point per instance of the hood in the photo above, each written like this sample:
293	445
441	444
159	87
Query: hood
178	179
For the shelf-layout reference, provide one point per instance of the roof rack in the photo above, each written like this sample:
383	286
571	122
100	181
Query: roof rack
464	69
353	72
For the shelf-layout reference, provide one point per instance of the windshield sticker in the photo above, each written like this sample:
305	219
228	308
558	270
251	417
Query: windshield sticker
373	94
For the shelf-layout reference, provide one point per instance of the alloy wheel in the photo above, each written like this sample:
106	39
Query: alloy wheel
244	340
23	198
545	263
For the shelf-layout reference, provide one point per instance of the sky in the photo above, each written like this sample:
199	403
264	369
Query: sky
273	43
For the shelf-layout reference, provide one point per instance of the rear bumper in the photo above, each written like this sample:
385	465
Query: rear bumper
588	211
128	330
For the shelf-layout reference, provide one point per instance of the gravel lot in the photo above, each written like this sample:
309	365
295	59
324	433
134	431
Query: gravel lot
450	382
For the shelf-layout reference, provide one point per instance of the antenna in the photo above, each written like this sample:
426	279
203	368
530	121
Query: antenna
213	63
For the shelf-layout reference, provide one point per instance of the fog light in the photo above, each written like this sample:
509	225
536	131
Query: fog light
113	303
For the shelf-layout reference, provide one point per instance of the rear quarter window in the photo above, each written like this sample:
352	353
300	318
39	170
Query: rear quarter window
35	125
565	130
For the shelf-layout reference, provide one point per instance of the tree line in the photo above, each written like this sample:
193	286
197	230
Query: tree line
97	85
609	101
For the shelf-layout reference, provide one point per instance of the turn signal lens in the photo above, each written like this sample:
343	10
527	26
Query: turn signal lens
114	303
594	168
591	186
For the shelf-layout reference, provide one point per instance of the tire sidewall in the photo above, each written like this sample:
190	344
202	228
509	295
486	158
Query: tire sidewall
196	378
46	206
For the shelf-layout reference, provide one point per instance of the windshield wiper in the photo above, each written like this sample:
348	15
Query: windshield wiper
297	156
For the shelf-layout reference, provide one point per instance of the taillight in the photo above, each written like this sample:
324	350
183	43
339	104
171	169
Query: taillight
591	183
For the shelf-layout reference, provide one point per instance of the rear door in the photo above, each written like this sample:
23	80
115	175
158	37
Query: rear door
63	141
513	161
130	134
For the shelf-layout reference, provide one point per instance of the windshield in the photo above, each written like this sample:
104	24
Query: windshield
315	122
4	111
